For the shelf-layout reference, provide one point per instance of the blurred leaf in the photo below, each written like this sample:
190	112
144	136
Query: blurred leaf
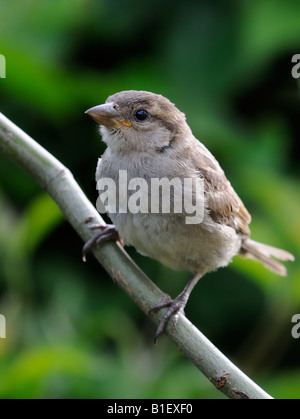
278	24
34	370
41	217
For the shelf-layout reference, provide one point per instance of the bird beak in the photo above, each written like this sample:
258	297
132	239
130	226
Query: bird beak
107	115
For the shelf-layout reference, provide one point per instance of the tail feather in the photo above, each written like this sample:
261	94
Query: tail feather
265	254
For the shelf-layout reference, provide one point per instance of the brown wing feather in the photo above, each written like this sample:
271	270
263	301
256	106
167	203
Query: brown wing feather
224	204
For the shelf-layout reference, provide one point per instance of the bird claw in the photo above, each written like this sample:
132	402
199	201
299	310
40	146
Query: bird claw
107	233
175	308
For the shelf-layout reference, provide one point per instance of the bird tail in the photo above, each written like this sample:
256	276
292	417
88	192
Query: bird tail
266	254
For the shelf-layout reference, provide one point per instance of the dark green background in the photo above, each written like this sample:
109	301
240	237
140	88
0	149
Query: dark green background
227	65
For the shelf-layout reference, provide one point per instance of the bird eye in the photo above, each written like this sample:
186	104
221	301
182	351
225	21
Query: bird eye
141	115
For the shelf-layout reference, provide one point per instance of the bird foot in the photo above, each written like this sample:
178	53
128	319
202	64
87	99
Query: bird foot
107	233
175	308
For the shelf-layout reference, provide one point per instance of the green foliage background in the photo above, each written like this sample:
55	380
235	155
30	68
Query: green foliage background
227	65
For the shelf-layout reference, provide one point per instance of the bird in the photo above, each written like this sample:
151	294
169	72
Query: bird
148	137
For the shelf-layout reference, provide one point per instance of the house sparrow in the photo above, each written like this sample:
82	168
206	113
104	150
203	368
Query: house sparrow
147	136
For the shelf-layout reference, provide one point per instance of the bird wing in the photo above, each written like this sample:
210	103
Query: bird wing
223	203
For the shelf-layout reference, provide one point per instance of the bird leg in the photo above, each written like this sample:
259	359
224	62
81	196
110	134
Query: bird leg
107	233
175	307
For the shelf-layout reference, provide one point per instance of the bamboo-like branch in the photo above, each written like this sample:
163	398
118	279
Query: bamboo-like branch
58	181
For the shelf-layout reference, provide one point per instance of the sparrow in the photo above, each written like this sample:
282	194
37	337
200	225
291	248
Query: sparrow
148	137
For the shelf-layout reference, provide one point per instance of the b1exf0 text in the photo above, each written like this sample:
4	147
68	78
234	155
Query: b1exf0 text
154	408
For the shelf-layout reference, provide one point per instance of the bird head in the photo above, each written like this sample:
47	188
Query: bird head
139	121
